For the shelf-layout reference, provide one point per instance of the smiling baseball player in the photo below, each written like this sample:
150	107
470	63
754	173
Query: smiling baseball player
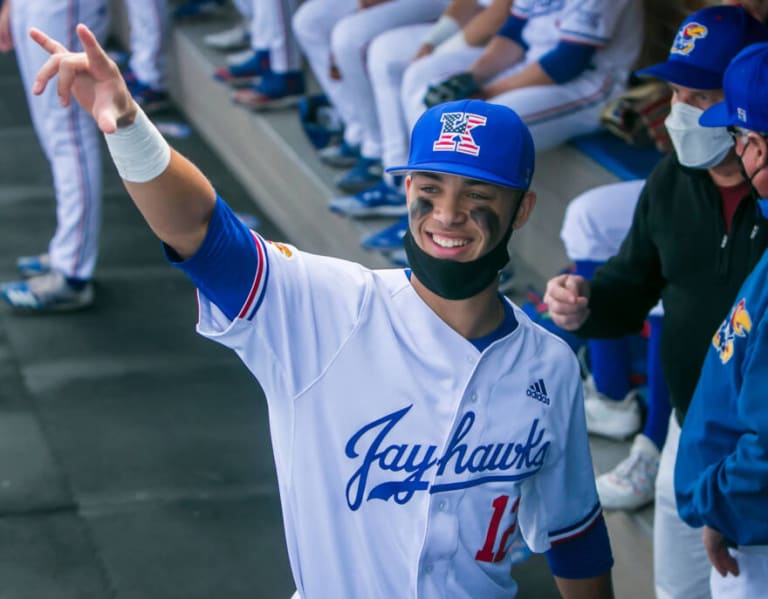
419	420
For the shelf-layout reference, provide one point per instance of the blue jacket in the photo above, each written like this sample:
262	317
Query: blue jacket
721	473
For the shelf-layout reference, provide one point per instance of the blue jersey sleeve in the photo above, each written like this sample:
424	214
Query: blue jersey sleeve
584	556
228	262
567	60
513	30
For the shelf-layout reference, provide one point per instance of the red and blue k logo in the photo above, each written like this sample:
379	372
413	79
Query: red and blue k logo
456	133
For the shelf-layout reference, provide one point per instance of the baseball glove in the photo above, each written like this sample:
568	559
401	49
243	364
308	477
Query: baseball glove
457	87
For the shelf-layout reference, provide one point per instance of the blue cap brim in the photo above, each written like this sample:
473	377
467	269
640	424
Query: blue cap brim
461	170
682	73
717	115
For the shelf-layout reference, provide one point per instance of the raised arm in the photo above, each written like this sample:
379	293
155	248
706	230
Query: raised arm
174	197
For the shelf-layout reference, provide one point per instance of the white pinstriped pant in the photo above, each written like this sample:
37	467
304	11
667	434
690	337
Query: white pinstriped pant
149	31
68	136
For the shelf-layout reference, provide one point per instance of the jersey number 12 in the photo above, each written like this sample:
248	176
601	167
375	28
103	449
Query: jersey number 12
487	554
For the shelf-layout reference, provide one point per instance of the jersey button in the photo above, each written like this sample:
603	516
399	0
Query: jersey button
473	397
428	569
442	505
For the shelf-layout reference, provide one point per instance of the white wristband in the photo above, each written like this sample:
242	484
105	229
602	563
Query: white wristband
139	150
444	28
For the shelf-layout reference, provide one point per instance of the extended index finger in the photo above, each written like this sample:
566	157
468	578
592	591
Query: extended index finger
48	44
97	56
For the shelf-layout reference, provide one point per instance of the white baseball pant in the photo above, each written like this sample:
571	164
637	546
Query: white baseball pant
149	32
680	564
337	28
553	113
752	580
388	56
271	30
69	137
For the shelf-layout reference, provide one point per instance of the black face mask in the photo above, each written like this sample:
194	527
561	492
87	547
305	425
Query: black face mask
454	280
762	203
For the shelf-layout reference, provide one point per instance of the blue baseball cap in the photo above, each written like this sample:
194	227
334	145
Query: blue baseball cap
746	89
474	139
705	44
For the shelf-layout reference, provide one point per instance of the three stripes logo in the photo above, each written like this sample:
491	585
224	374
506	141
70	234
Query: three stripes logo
539	392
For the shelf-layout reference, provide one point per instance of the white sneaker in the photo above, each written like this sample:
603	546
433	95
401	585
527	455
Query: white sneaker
49	292
615	419
229	39
631	484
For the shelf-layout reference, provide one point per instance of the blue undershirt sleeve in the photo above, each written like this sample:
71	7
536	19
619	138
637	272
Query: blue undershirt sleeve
567	60
585	556
513	29
224	266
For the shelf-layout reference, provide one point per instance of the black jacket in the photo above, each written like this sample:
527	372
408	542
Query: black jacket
677	250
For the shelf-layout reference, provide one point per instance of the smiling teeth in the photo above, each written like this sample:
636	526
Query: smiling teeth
446	242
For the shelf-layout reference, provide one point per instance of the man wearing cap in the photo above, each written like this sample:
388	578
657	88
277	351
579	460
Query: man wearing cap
421	424
695	236
721	474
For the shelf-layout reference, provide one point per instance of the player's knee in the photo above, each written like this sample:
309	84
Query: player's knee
412	92
576	222
304	23
380	57
350	37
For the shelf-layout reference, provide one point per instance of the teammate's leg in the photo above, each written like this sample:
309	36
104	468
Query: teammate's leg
681	567
149	31
349	45
556	113
69	136
283	83
388	57
428	70
313	23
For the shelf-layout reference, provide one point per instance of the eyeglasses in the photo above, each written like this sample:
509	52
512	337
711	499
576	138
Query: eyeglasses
735	132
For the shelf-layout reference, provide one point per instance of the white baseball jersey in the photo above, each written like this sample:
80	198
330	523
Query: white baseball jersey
615	27
69	137
407	460
553	113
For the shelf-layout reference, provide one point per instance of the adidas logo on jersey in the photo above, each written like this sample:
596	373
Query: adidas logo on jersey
539	392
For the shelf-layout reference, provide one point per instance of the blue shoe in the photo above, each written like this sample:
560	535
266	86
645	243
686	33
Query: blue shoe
243	73
31	266
274	90
364	175
50	292
151	100
379	200
197	8
387	239
340	156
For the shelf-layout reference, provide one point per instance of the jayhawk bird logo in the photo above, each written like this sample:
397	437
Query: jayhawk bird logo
685	40
738	324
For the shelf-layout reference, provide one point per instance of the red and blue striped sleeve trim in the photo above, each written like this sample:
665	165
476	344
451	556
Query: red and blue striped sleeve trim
259	285
578	529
